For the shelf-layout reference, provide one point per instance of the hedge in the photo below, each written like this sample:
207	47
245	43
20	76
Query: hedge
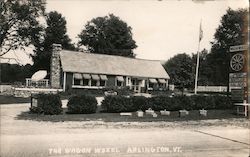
160	103
203	102
157	103
49	104
140	103
82	104
184	102
222	102
118	104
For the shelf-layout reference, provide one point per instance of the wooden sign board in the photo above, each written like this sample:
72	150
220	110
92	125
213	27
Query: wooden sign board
238	73
237	80
237	95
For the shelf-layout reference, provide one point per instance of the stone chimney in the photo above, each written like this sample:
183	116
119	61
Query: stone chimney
55	68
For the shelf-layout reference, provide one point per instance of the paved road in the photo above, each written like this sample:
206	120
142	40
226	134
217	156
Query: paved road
24	138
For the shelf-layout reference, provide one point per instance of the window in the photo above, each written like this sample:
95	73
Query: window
89	80
128	81
93	82
151	85
161	85
77	82
77	78
119	83
103	79
102	82
85	82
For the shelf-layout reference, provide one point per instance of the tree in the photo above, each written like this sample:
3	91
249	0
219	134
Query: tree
180	70
12	73
19	26
232	31
108	35
54	33
204	75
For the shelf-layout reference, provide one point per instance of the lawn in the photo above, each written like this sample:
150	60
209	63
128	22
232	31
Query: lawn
6	99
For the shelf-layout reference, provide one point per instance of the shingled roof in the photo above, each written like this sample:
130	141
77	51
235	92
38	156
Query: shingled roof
81	62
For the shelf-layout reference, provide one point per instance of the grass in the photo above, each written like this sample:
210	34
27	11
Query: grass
6	99
115	117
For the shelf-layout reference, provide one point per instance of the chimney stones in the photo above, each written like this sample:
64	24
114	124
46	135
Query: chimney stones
55	68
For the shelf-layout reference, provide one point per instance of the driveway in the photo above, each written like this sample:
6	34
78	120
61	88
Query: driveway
28	138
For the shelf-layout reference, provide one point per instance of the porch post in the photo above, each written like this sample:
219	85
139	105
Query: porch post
64	81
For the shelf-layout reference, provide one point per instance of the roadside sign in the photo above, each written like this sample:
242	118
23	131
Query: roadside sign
237	95
237	62
237	80
238	75
238	48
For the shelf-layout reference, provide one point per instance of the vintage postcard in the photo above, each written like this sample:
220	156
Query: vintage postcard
111	78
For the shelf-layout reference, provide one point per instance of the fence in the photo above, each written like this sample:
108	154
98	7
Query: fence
212	89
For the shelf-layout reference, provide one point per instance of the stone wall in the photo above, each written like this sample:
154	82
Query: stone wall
5	89
26	92
55	67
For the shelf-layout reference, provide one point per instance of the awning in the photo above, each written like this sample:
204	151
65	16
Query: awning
152	80
104	77
86	76
95	77
120	78
162	80
77	76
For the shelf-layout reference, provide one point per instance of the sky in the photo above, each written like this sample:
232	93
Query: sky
161	29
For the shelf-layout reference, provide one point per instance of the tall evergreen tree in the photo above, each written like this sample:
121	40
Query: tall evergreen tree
54	33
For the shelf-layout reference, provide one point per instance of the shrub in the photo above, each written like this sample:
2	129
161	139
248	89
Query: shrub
222	102
118	104
157	103
203	102
140	103
82	104
184	102
120	91
48	104
161	102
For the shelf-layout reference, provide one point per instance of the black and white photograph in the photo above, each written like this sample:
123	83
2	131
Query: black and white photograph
124	78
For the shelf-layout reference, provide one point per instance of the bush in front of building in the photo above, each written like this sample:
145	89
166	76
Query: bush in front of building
203	102
170	103
116	104
157	103
124	91
140	103
49	104
184	102
212	102
79	104
222	102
